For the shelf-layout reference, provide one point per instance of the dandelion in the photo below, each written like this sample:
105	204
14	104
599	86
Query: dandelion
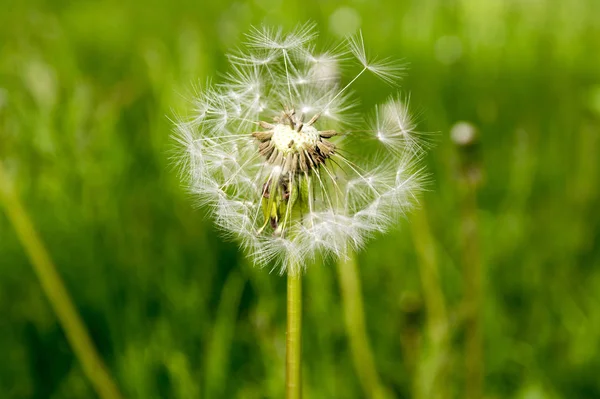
288	167
285	164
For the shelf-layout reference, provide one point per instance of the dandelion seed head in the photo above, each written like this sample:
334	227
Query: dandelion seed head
284	162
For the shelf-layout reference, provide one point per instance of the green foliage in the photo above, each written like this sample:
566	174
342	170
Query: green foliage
86	92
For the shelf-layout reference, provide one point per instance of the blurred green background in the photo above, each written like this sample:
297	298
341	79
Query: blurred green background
86	90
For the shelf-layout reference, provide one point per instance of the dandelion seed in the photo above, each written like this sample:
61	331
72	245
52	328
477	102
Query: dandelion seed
386	69
286	166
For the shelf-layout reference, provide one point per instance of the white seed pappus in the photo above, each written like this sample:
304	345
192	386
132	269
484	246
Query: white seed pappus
279	154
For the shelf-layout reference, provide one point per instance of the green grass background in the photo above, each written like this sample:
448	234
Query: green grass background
86	89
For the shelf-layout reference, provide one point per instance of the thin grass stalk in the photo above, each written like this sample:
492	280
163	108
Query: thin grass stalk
56	292
432	372
293	360
354	315
218	352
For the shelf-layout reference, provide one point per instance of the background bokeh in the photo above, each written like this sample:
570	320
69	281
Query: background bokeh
86	92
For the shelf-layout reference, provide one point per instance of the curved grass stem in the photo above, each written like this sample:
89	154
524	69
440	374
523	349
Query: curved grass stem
57	294
352	303
432	379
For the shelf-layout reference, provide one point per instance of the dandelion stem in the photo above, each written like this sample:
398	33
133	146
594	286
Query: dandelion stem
473	283
473	274
352	303
57	294
293	361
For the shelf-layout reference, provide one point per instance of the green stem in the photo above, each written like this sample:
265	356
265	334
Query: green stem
470	175
218	352
431	380
437	321
473	283
293	360
354	316
57	294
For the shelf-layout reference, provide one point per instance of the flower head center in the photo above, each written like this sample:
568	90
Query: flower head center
294	145
289	141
